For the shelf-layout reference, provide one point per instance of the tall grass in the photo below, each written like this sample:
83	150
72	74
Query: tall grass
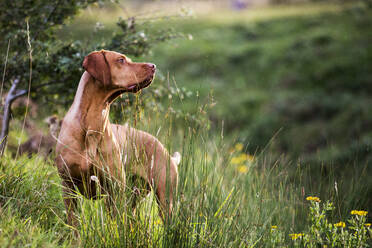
31	209
226	198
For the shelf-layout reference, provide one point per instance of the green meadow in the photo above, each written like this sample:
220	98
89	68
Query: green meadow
270	108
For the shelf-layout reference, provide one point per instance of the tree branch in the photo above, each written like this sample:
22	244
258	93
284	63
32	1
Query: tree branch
19	93
36	88
12	95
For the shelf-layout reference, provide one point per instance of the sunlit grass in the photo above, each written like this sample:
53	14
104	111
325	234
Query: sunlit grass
104	18
271	12
228	197
218	205
214	12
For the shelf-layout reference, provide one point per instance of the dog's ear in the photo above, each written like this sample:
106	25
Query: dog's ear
98	67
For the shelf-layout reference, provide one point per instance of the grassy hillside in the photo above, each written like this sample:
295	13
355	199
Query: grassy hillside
299	73
227	198
300	84
292	87
307	77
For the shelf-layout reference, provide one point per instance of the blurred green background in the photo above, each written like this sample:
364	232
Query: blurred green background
289	79
268	101
296	76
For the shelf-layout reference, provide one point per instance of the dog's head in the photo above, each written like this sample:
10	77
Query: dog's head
116	71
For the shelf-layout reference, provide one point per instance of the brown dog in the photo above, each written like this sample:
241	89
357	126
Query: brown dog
90	147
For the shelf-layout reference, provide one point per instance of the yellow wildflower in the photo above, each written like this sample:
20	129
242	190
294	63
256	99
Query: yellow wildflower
313	198
235	160
239	159
363	213
367	224
359	212
239	147
250	158
242	157
243	169
295	236
340	224
274	227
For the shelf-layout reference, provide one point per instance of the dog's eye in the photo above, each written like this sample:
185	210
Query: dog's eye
121	60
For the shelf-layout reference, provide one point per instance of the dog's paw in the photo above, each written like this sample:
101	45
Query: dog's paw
176	158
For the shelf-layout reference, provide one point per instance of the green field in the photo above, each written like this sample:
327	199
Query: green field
267	106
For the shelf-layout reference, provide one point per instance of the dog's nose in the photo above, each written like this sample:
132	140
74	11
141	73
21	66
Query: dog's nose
152	66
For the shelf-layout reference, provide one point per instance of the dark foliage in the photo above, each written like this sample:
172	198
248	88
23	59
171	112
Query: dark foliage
56	64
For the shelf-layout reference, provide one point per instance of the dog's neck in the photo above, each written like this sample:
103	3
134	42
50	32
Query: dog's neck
92	111
88	121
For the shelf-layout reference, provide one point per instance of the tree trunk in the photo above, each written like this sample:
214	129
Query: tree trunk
13	94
